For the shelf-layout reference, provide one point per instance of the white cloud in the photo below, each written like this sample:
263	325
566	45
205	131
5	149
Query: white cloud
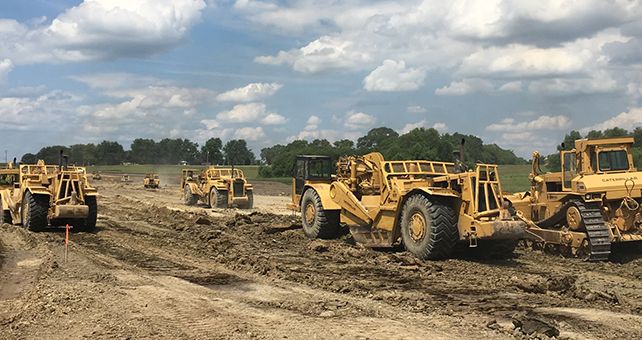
523	143
523	60
358	120
101	29
330	135
627	120
512	86
243	113
394	76
249	93
251	112
250	133
498	40
599	82
153	111
543	122
211	124
327	52
5	67
464	87
411	126
416	109
116	80
273	119
312	123
37	113
441	127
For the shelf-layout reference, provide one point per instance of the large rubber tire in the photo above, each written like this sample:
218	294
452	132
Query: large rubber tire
89	224
5	217
218	199
221	198
440	233
188	197
34	211
323	223
250	200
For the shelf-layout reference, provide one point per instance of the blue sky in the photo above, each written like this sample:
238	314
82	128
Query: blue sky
517	73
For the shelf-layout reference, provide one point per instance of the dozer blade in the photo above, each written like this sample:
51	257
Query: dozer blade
371	238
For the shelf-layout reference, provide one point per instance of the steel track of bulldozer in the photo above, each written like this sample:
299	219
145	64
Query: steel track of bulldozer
595	227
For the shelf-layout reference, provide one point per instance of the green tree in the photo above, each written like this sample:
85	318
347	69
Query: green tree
615	132
594	134
569	140
109	153
173	151
237	153
82	154
29	158
211	151
51	154
376	138
144	151
637	134
268	155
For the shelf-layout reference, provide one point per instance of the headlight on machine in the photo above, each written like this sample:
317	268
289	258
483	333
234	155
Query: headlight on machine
581	187
593	196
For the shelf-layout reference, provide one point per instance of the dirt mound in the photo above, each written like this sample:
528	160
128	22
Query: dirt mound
164	267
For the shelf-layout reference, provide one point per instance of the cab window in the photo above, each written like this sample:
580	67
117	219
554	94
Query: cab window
613	160
319	168
569	169
300	168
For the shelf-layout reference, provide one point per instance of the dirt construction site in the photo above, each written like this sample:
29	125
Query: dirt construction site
155	268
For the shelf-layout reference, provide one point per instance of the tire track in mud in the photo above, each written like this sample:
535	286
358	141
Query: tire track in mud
272	246
167	241
117	238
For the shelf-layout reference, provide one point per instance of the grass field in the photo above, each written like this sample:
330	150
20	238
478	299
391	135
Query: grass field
514	177
251	171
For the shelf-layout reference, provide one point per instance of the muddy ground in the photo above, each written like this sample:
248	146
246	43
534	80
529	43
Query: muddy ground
158	269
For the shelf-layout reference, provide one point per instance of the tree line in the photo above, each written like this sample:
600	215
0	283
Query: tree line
277	160
148	151
419	143
553	161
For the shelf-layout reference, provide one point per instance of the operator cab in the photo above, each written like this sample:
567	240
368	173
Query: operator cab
313	168
596	156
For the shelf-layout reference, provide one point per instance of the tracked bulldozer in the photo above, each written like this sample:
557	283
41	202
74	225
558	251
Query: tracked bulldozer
217	187
592	202
43	195
427	206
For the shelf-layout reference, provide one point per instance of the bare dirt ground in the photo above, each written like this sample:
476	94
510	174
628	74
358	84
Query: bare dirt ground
158	269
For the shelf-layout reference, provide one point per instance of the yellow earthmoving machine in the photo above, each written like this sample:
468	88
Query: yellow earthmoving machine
46	195
593	202
151	181
97	176
428	206
217	187
9	177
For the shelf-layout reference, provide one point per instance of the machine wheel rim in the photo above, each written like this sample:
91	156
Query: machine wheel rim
310	214
417	226
573	218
